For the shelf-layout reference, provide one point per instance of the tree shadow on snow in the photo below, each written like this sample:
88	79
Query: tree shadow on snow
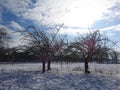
95	82
35	80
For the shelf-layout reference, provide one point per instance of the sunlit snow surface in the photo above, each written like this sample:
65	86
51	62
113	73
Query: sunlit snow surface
62	77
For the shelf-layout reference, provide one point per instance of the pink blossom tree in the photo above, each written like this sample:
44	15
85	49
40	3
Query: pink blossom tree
90	44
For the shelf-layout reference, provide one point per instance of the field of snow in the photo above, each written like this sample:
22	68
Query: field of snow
63	76
104	69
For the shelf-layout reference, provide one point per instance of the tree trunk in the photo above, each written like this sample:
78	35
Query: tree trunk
43	67
86	66
49	65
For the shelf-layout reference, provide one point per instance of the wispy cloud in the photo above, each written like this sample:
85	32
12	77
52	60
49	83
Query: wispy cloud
16	26
73	13
0	14
16	37
112	31
73	31
49	11
113	28
112	12
17	7
70	12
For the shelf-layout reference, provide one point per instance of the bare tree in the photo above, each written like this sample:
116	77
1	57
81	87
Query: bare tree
114	56
43	43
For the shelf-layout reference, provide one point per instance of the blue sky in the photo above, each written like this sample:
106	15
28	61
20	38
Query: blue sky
77	15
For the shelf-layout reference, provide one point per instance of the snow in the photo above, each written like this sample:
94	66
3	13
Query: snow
63	76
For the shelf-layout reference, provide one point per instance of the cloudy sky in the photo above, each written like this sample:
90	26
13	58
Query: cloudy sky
78	16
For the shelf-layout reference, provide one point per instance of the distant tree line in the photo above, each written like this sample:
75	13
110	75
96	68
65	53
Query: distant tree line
47	45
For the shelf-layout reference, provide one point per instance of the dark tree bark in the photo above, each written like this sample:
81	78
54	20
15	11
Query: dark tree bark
49	65
43	66
86	66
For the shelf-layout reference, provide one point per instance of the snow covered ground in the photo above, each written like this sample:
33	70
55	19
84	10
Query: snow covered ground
63	76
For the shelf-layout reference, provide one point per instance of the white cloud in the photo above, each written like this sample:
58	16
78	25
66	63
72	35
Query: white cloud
49	11
113	11
70	12
73	31
16	37
77	13
16	26
110	34
113	28
0	14
80	13
17	41
111	31
2	26
18	7
0	17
